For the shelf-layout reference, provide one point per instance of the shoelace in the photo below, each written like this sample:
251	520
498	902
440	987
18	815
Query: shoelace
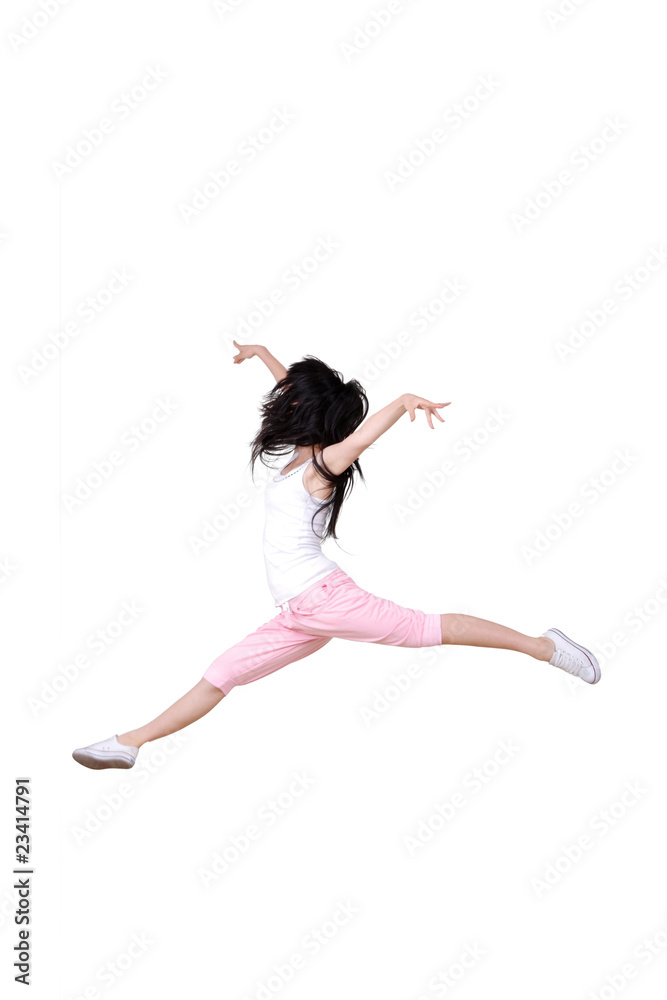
568	662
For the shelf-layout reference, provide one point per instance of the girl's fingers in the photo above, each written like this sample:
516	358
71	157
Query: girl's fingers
432	412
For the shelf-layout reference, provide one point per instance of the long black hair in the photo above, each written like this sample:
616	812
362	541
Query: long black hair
312	405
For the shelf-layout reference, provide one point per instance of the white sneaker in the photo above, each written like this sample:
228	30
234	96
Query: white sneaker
106	753
572	657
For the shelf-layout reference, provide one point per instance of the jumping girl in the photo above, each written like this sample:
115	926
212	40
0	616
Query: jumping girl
314	412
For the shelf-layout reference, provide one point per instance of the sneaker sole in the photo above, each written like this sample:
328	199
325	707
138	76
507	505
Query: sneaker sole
591	659
91	758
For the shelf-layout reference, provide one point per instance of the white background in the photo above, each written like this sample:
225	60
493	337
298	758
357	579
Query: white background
118	854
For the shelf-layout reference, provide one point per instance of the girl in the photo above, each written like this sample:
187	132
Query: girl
312	410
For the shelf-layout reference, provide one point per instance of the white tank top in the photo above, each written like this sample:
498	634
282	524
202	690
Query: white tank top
292	550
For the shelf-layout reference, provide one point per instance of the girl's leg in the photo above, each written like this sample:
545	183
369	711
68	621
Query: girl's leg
271	646
464	630
192	706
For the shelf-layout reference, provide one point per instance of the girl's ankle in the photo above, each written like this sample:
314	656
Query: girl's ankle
547	648
129	740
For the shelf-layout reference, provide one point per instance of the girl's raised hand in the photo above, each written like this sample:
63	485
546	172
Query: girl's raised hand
413	403
245	351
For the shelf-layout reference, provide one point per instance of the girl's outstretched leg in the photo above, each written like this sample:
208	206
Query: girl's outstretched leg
464	630
121	751
553	646
271	646
192	706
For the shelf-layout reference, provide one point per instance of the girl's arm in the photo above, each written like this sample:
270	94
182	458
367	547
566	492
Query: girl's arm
259	351
338	457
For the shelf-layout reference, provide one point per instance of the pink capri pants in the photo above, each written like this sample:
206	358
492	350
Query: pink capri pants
331	608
